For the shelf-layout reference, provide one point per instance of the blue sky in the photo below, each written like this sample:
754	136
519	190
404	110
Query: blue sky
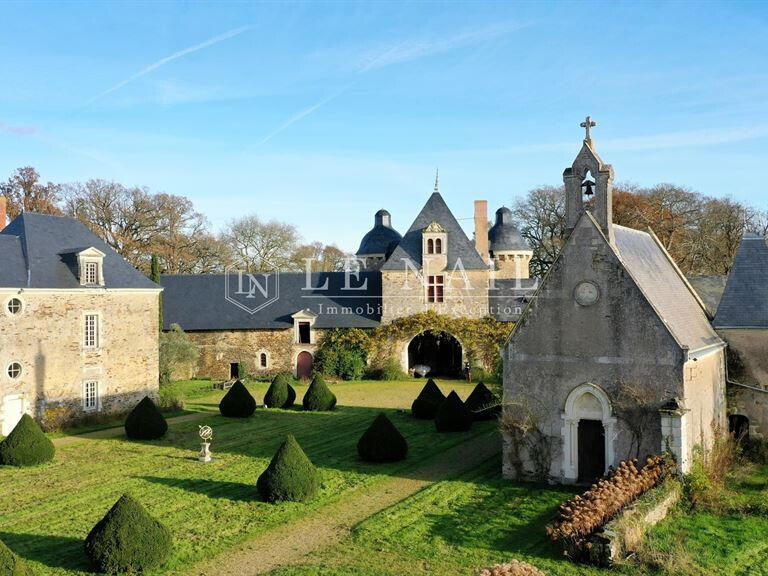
320	114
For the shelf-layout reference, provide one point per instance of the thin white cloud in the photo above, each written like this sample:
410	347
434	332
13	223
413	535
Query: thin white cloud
404	51
175	56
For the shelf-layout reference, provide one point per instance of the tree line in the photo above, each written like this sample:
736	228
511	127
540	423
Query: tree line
700	232
139	224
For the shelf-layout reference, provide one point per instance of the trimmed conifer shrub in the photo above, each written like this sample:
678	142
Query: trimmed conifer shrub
278	394
318	396
428	401
291	397
10	564
237	402
453	415
382	442
145	421
482	403
290	476
26	445
127	539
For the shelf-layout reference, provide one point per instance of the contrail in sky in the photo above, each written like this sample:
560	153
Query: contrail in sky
175	56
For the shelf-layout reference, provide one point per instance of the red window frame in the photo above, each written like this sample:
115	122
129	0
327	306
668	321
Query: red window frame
435	285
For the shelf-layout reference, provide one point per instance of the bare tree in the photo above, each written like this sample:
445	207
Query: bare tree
259	246
25	193
323	257
541	216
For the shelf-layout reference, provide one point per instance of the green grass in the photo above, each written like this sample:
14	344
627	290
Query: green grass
46	511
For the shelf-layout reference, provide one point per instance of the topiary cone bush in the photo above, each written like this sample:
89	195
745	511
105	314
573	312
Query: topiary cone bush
10	564
237	402
453	415
428	401
318	396
291	397
290	476
279	393
382	442
26	445
145	421
482	403
127	539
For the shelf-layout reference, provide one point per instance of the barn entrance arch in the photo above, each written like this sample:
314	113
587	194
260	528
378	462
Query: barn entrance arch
439	350
588	434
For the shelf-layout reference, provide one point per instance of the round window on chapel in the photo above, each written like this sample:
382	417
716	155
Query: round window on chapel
14	370
14	306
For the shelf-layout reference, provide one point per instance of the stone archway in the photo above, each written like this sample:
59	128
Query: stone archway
588	433
441	351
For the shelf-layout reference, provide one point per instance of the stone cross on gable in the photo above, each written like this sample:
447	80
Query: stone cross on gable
588	124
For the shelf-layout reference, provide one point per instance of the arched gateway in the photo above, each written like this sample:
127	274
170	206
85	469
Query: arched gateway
441	351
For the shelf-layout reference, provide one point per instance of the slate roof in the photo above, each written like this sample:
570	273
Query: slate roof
509	296
665	288
40	251
504	235
197	302
745	300
382	238
459	246
710	290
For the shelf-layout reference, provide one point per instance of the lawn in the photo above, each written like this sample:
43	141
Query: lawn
451	524
46	511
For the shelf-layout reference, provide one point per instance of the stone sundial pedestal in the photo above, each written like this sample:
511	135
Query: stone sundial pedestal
206	434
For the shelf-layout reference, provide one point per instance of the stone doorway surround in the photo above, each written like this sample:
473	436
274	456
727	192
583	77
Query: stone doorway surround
589	402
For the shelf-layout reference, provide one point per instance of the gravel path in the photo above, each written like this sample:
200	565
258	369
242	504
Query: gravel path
292	543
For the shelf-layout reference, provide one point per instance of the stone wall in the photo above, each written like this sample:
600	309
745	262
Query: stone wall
617	344
47	340
704	399
404	293
221	348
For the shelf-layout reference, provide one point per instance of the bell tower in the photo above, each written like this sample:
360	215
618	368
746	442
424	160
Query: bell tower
589	186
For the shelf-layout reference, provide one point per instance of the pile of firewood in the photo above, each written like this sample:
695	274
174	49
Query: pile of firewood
582	516
514	568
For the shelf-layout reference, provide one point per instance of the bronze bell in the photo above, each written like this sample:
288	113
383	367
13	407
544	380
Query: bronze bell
587	187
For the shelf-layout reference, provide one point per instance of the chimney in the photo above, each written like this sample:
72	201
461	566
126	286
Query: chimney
481	228
3	212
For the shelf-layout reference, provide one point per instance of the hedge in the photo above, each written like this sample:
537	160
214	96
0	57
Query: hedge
318	396
428	401
145	421
382	442
290	476
10	564
26	445
237	402
127	539
453	415
482	403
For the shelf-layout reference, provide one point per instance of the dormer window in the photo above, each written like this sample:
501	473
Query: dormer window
303	322
90	262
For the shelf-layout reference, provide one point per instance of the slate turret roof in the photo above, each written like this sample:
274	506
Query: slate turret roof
459	246
382	238
744	303
504	235
40	251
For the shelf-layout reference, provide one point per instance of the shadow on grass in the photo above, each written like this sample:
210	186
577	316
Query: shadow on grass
234	491
51	551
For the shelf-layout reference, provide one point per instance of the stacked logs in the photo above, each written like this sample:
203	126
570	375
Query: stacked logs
579	518
514	568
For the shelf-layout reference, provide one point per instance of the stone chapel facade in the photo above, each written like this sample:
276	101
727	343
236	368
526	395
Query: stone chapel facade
614	357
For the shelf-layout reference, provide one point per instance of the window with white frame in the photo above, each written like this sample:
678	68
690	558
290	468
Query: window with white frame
91	331
91	272
14	371
14	306
435	288
90	394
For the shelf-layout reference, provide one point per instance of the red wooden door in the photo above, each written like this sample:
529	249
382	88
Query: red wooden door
304	365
